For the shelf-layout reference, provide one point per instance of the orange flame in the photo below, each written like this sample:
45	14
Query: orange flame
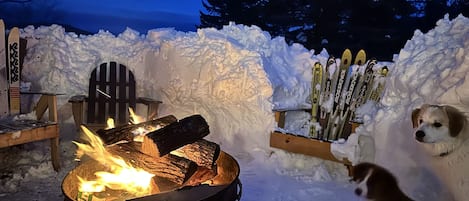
121	175
110	123
135	119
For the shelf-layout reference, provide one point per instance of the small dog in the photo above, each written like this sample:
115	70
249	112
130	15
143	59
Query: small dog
440	129
376	183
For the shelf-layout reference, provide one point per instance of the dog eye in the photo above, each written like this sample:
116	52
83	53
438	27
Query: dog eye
437	124
420	121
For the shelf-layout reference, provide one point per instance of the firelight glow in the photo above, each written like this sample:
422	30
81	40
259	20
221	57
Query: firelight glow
121	175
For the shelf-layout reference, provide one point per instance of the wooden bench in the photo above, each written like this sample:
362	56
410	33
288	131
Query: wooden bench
17	131
303	145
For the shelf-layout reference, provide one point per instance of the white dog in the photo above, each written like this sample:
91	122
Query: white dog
443	131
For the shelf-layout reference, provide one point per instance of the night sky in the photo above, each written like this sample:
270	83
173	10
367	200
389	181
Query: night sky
110	15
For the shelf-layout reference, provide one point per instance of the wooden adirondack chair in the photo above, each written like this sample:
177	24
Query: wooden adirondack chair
111	93
13	130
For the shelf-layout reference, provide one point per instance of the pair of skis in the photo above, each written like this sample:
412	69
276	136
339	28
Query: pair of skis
336	95
9	71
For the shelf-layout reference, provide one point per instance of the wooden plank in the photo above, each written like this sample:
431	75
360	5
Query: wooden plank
52	105
303	145
132	93
112	90
280	118
122	99
102	99
92	97
29	135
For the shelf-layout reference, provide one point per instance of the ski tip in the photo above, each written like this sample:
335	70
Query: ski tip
346	57
360	59
14	32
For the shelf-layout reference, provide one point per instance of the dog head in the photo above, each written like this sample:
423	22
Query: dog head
440	127
361	174
376	183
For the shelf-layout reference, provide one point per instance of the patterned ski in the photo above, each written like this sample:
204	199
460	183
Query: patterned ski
315	93
346	109
380	82
365	85
345	62
326	92
3	73
14	70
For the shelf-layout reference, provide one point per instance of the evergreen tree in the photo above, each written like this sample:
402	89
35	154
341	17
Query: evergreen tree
381	27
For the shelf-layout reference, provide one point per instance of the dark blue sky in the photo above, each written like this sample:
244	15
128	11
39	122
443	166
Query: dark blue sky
111	15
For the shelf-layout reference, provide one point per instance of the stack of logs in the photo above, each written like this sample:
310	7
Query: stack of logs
176	152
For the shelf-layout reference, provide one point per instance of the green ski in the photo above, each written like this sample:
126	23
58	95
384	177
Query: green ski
332	122
315	93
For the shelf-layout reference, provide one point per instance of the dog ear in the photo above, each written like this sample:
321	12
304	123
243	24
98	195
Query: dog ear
456	120
415	118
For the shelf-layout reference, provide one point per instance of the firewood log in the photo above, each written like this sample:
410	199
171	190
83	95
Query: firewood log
202	152
170	167
203	175
125	132
175	135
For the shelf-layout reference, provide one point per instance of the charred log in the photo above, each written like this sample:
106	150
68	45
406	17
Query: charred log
201	176
202	152
126	132
175	135
173	168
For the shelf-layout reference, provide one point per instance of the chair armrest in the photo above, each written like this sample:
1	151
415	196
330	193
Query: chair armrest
152	104
147	101
77	99
40	93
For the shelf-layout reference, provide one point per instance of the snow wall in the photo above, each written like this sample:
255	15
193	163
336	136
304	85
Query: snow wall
432	68
235	76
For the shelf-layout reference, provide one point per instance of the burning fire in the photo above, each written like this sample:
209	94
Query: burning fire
134	118
110	123
120	176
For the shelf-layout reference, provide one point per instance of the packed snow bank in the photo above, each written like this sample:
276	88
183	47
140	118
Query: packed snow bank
233	77
431	68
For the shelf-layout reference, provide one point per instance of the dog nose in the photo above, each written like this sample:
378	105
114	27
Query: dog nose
358	191
419	135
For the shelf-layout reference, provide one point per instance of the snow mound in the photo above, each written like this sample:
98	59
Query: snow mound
431	68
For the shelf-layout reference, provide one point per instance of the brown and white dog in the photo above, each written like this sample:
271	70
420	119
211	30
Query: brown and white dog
376	183
443	132
441	129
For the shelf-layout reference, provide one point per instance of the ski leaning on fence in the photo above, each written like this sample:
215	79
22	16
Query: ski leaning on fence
13	55
339	82
3	73
326	91
346	107
315	93
378	86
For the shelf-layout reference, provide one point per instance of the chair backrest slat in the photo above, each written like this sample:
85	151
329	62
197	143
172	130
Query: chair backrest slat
118	86
112	89
102	99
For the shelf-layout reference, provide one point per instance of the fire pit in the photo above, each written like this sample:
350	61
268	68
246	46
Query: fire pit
172	162
225	185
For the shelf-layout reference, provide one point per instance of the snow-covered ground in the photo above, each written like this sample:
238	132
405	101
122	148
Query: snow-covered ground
234	77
